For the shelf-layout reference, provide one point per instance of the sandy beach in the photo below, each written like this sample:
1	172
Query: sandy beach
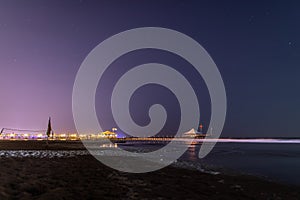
83	177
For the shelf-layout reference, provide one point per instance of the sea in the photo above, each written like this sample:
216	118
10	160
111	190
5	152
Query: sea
278	162
271	159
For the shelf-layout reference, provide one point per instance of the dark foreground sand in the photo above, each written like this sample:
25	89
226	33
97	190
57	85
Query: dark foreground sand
83	177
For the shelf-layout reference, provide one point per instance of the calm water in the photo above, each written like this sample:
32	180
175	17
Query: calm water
277	161
272	160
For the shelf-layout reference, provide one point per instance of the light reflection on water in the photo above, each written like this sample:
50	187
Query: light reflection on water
52	153
42	153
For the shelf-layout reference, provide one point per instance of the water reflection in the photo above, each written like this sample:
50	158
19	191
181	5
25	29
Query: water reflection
109	145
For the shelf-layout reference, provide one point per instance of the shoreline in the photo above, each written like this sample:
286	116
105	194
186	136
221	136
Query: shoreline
84	177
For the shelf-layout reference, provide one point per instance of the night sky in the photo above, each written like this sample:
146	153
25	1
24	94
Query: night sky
255	44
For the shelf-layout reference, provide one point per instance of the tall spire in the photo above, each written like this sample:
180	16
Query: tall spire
49	129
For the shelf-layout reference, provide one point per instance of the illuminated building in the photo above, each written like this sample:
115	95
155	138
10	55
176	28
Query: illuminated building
15	134
193	134
108	134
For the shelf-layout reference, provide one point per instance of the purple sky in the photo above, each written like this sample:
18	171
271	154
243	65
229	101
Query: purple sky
255	46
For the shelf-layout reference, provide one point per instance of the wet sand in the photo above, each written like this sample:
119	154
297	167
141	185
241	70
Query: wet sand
83	177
